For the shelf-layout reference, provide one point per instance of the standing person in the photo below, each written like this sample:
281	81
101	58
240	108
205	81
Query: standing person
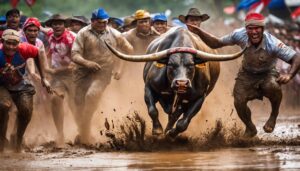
13	87
160	23
30	33
257	77
128	23
13	17
193	17
142	35
95	64
116	23
76	23
31	30
60	44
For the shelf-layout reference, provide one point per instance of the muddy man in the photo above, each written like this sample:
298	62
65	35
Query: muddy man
257	78
13	87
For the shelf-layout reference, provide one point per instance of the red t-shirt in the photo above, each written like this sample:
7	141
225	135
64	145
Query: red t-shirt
26	51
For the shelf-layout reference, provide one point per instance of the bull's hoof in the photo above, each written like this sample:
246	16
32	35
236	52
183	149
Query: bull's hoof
249	133
269	126
157	131
3	143
171	134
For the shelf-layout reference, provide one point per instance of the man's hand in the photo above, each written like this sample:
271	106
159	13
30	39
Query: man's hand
93	66
46	84
193	28
284	78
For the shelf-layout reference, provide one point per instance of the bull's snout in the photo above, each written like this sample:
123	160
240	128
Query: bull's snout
181	85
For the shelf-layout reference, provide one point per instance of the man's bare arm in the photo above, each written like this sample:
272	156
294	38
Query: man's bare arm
211	40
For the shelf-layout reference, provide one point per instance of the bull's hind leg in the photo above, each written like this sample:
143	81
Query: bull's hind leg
183	123
151	100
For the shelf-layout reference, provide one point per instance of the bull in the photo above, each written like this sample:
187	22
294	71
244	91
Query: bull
179	74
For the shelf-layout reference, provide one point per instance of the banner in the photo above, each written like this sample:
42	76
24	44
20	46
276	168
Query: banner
30	2
14	3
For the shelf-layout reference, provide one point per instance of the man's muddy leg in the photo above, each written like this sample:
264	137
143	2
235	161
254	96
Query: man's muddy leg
57	108
24	104
92	99
272	91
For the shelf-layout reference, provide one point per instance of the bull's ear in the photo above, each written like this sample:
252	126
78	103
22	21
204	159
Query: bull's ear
163	61
198	60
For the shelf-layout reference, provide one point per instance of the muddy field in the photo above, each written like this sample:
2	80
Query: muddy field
215	150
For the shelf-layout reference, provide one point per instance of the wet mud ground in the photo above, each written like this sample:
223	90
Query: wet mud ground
277	151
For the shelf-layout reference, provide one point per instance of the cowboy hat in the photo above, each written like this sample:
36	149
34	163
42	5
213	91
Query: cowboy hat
193	12
55	17
81	19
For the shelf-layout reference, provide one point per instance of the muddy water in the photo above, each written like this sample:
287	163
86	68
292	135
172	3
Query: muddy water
279	150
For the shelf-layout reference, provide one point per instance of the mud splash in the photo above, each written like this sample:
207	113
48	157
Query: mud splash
131	136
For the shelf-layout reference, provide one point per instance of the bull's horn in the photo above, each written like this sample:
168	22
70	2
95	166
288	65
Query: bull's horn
162	54
213	57
138	58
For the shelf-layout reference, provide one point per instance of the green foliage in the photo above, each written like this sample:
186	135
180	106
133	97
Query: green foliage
116	8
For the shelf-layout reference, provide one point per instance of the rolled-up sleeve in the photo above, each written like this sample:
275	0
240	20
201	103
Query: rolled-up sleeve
237	37
284	52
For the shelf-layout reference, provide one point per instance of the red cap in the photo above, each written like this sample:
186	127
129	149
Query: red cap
32	21
254	16
254	19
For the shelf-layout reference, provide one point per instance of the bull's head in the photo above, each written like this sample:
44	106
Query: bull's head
180	64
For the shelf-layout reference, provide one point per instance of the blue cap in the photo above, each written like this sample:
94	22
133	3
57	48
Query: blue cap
100	13
118	21
2	19
160	17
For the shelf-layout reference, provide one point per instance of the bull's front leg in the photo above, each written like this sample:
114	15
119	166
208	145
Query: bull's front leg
152	110
183	123
173	117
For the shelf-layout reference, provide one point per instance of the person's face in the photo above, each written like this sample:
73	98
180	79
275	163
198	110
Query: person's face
31	33
58	27
10	47
143	25
99	25
255	34
193	20
75	26
114	25
13	21
160	26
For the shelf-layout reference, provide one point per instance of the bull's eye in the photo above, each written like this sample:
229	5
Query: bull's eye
171	66
190	66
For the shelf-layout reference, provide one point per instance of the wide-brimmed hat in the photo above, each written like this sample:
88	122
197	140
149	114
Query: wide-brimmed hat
55	17
128	21
81	19
193	12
